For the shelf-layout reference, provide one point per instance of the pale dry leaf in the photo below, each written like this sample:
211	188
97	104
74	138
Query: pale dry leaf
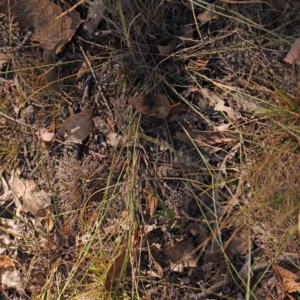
45	135
153	105
290	281
77	127
7	193
35	200
6	262
219	103
8	227
294	52
39	17
12	280
95	15
112	137
4	60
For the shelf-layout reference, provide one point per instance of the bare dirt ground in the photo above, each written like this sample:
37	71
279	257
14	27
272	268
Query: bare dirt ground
149	150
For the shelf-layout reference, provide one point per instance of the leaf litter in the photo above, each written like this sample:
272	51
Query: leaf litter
178	206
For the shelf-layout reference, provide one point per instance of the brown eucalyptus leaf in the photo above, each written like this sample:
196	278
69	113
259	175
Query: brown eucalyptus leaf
289	280
208	14
153	105
4	60
239	244
181	253
6	262
152	199
77	127
39	16
167	45
115	271
294	52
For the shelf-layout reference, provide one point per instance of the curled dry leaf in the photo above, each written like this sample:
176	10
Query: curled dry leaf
153	105
294	52
167	45
181	253
152	199
290	281
4	60
35	201
77	127
208	14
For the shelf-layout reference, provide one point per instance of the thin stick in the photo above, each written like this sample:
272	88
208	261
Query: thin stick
95	78
17	121
69	10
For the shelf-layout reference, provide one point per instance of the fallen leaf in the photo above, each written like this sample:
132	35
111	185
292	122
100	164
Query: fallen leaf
83	70
181	253
112	137
211	12
153	105
294	52
289	280
6	191
46	135
208	15
77	127
207	138
6	262
152	199
197	64
95	15
115	271
35	200
39	16
219	104
13	280
239	244
167	45
4	60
